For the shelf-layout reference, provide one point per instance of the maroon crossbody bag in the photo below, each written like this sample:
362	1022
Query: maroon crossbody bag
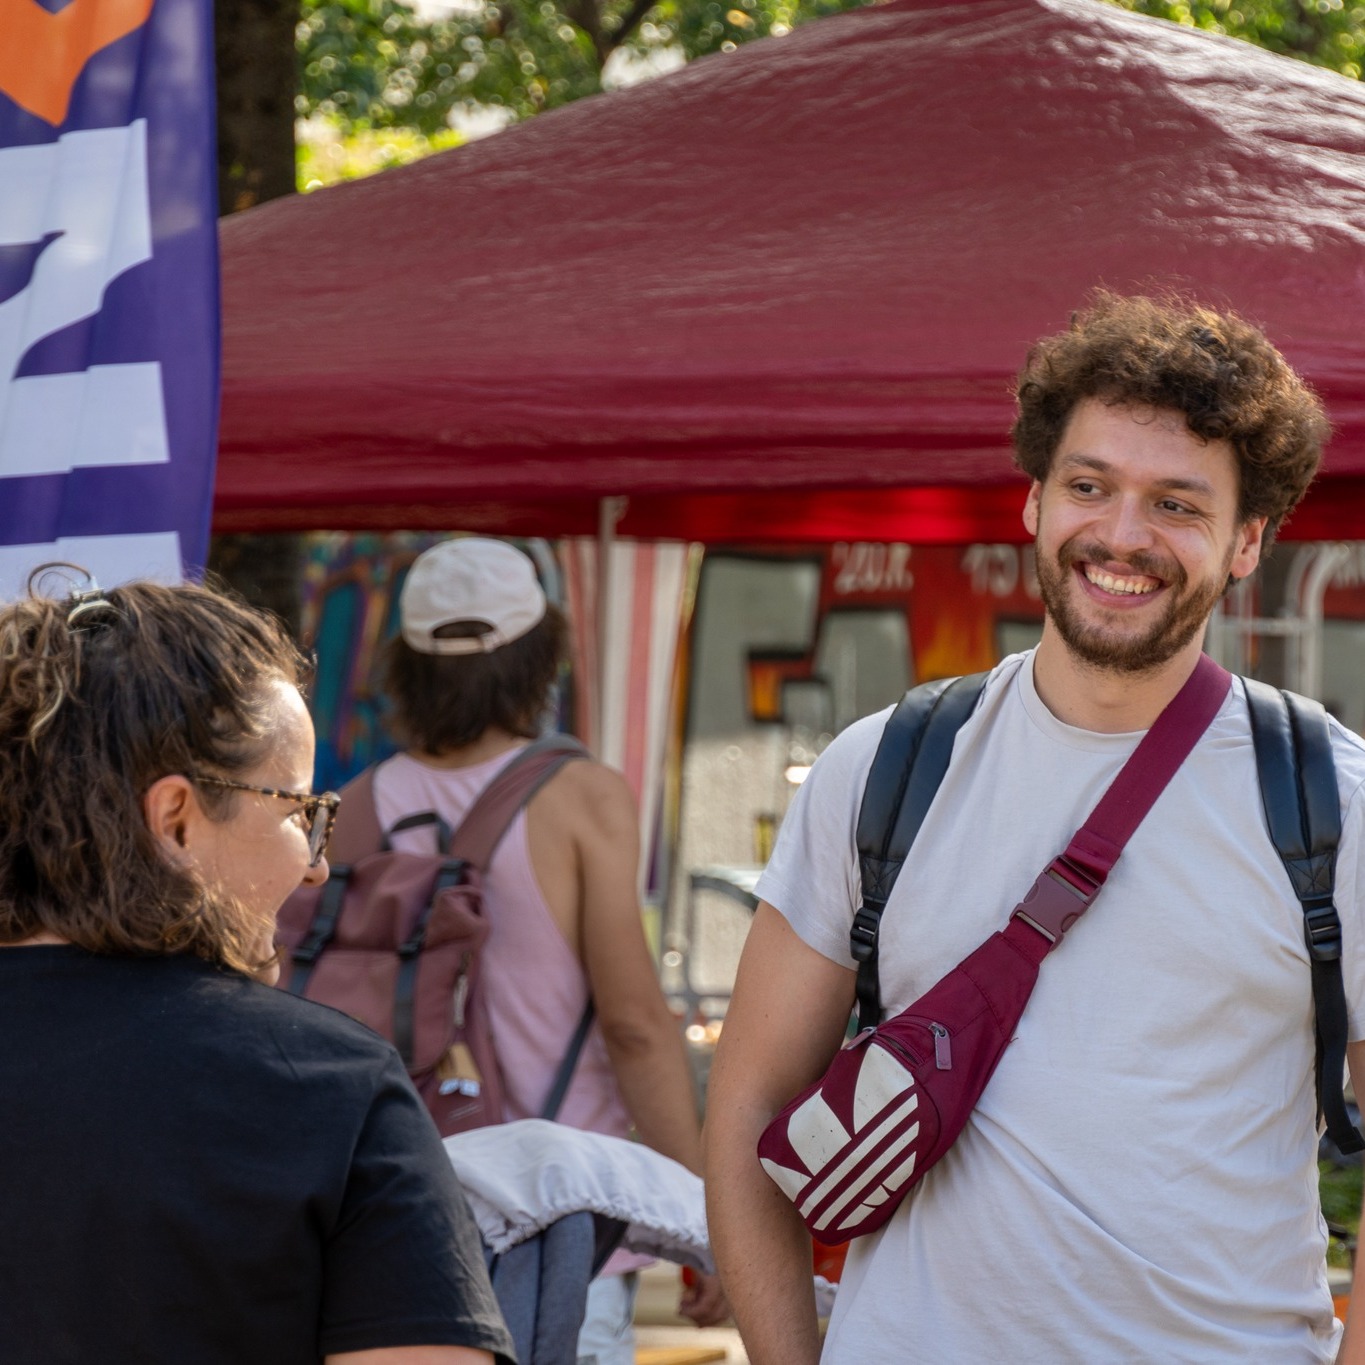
849	1148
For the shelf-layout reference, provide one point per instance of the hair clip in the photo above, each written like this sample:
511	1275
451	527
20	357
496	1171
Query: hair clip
48	580
91	599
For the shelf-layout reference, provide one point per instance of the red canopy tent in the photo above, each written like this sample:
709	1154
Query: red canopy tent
782	293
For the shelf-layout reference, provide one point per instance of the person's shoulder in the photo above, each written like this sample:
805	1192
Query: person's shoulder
586	776
587	792
307	1028
322	1022
1348	753
855	745
1347	748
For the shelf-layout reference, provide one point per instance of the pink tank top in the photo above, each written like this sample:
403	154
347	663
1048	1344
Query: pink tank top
535	986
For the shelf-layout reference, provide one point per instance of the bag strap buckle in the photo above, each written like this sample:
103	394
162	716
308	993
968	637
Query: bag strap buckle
1059	897
862	937
1322	930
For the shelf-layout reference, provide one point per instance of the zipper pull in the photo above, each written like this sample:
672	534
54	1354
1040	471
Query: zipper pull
943	1048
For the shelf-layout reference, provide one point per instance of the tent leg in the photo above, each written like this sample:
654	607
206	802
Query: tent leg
609	513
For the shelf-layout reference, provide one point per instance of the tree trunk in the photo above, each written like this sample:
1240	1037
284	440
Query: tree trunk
257	81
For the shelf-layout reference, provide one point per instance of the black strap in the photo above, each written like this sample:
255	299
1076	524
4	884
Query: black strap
909	765
452	873
417	821
1298	788
321	931
564	1075
1302	808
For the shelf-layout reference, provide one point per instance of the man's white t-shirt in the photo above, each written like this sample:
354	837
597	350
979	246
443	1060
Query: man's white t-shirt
1139	1181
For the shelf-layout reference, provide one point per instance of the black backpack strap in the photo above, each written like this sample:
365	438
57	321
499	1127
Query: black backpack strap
320	931
1303	811
417	820
906	772
452	873
564	1074
355	834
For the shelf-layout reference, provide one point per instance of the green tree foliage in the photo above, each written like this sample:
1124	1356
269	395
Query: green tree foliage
1328	33
376	64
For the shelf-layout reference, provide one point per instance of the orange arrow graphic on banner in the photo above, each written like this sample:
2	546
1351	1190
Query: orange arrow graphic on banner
44	54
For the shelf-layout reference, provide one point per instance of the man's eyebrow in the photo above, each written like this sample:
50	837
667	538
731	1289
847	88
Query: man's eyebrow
1093	462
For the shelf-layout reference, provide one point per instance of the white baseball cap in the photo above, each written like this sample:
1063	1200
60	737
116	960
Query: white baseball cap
470	579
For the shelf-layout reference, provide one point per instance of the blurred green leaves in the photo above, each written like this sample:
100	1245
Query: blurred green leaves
374	64
370	65
1328	33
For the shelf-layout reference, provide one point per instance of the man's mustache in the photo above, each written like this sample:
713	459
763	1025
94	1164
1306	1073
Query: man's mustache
1140	561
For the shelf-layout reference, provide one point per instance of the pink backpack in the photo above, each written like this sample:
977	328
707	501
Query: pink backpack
394	939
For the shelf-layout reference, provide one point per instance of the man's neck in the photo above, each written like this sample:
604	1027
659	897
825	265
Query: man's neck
488	745
1105	700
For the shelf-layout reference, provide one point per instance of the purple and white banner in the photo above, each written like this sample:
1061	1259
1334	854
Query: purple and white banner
108	287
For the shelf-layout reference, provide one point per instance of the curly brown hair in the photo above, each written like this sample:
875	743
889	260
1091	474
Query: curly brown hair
98	699
1220	372
446	701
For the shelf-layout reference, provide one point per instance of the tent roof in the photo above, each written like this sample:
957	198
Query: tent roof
813	264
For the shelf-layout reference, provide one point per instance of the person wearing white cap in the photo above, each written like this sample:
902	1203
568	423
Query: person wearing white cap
470	596
469	676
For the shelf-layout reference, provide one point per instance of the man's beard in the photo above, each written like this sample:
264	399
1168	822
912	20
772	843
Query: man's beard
1110	648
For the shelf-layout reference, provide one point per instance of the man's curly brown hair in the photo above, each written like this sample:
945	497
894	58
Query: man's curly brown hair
1220	372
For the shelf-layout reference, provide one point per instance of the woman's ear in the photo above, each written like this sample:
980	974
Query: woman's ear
171	808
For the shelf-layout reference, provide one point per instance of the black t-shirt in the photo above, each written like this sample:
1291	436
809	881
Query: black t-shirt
197	1169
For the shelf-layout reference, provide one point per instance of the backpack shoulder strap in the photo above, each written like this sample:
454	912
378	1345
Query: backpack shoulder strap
488	819
568	1064
907	769
1303	813
479	834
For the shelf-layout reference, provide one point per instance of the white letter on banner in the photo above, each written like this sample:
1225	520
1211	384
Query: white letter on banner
91	188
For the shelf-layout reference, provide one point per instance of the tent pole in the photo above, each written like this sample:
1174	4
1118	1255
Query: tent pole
609	512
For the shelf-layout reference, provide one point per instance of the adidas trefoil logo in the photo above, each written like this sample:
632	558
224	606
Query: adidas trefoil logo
843	1170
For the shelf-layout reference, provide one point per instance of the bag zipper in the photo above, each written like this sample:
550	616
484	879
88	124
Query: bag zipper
943	1048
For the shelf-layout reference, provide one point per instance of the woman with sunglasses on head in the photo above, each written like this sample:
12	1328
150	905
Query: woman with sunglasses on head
193	1167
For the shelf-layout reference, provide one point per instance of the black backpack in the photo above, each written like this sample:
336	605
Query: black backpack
1302	808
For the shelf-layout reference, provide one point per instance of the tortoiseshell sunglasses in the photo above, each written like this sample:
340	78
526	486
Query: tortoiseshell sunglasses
313	803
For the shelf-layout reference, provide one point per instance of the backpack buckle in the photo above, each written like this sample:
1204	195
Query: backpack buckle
862	937
1322	930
